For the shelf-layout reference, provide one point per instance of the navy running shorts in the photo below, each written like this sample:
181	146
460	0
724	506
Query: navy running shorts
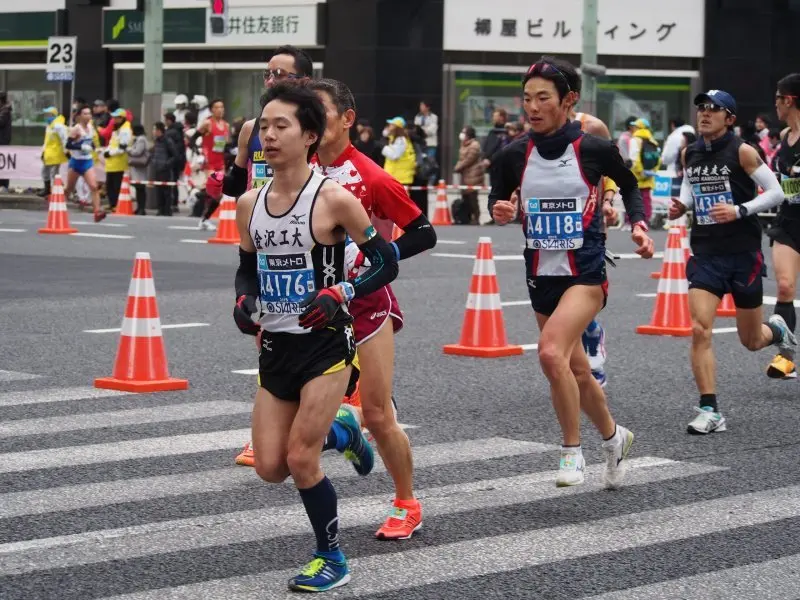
288	361
737	274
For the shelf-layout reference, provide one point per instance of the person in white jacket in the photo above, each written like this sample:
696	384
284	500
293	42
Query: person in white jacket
673	144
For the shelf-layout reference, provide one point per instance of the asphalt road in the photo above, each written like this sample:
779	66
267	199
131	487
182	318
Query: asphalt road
107	495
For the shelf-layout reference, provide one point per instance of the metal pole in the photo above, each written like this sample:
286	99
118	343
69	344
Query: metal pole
589	56
72	99
153	60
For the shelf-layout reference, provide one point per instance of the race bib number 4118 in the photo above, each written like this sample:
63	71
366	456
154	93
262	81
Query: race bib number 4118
554	223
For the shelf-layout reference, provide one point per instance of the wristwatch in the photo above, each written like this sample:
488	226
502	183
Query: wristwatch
642	225
742	211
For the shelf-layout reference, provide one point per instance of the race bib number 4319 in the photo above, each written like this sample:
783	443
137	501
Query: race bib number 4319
285	280
707	195
554	223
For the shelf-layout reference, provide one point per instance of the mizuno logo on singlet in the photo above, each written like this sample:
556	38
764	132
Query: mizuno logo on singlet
564	162
296	219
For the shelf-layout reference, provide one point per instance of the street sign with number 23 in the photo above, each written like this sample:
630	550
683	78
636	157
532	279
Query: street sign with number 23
61	53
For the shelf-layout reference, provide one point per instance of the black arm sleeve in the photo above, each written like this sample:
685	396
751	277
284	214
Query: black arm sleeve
383	267
506	171
419	236
73	144
247	274
614	167
235	182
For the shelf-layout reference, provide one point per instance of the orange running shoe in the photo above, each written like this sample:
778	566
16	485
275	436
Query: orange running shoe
404	520
247	457
354	399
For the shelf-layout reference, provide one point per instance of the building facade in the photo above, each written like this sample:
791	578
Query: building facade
465	57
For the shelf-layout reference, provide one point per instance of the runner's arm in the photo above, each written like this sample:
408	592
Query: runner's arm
235	182
613	166
763	176
353	218
506	171
246	283
391	201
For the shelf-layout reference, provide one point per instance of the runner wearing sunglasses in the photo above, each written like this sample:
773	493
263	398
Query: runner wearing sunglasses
721	178
785	231
557	171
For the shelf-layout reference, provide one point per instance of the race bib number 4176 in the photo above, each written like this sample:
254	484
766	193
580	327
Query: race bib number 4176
554	223
285	280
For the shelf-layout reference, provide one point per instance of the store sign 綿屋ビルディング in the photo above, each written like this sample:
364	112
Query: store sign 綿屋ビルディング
269	26
625	27
181	26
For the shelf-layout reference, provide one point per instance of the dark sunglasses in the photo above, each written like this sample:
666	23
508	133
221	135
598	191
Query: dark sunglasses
711	108
279	74
543	67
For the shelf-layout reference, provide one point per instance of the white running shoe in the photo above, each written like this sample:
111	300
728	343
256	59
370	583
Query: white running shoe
706	421
571	467
616	450
788	344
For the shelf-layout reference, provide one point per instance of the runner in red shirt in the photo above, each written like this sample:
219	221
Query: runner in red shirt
383	197
216	133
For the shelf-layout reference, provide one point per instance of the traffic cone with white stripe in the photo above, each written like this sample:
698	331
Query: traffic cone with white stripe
141	362
227	232
684	244
671	314
484	331
57	215
726	308
441	215
124	203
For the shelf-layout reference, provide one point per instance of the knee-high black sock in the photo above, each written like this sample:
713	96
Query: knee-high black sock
786	310
321	507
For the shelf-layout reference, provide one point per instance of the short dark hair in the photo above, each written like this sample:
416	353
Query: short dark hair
81	107
169	116
214	101
563	75
112	104
764	117
774	133
790	86
677	122
138	129
190	117
302	61
160	126
470	131
310	111
340	94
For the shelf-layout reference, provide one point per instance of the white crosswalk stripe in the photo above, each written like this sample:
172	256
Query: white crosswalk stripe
133	513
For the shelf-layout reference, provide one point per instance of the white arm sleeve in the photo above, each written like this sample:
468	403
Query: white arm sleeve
687	197
773	193
395	150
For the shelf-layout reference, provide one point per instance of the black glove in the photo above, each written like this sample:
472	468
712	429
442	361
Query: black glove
242	314
107	153
320	308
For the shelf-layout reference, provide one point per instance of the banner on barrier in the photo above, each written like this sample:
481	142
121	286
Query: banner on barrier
21	162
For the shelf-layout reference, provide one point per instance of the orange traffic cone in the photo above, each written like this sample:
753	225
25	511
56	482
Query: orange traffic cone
484	332
684	244
141	363
396	232
441	215
726	308
227	232
124	204
57	215
671	313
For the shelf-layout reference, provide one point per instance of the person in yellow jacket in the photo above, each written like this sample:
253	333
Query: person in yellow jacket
54	152
646	156
117	155
401	160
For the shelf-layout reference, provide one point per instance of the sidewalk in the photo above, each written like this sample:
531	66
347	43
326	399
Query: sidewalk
23	201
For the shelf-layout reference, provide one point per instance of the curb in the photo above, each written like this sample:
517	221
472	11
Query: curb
23	201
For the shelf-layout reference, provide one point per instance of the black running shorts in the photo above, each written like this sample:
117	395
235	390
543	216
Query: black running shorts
785	231
288	361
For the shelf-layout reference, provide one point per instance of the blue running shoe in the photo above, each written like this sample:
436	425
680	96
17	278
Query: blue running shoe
595	345
600	376
358	450
320	575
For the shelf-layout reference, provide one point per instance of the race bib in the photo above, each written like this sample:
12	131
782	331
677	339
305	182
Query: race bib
791	189
219	144
285	280
260	175
554	223
707	195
